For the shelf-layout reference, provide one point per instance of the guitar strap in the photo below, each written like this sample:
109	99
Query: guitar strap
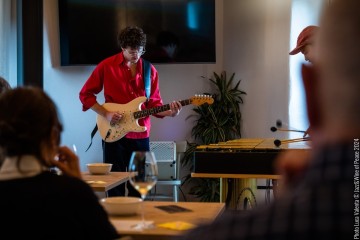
147	80
146	76
92	135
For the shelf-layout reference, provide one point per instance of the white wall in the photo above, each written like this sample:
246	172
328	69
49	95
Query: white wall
252	40
256	44
8	57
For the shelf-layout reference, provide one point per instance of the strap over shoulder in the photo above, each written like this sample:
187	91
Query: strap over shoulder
147	77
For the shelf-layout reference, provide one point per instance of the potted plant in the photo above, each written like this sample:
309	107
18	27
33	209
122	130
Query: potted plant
218	122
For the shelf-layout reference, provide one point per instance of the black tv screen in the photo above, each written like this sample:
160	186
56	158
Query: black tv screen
89	29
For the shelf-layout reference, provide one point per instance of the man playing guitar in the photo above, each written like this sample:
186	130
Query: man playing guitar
121	78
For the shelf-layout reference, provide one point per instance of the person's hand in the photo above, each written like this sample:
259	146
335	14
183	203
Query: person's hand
175	108
67	162
291	165
113	117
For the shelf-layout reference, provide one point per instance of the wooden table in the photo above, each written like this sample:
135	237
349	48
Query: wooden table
103	183
201	212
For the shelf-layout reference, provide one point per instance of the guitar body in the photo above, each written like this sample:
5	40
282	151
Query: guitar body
127	124
131	112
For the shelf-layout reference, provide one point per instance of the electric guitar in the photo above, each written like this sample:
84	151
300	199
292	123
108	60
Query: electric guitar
131	112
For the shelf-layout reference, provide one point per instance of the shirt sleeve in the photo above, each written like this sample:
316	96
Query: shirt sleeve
91	88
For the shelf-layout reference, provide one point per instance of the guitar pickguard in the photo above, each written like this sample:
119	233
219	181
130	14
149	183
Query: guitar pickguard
127	124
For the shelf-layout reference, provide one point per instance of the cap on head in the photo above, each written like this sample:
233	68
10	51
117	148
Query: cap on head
304	38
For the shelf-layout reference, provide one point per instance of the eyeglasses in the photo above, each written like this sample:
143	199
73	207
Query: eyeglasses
133	53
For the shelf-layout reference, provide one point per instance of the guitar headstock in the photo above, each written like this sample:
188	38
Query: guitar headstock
201	99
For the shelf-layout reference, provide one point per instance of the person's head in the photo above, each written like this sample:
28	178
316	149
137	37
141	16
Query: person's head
4	85
29	124
335	85
305	43
132	41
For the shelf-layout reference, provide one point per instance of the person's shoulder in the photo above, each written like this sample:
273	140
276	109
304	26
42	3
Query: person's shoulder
111	60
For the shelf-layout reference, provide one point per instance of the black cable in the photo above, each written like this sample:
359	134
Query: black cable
183	194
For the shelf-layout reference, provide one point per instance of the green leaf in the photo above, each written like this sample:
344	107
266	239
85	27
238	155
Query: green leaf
218	122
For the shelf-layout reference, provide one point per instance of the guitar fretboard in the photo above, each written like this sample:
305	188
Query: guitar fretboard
155	110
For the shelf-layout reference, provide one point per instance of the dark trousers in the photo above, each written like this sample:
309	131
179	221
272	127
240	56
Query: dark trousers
118	153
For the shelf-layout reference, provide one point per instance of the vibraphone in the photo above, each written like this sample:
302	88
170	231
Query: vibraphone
243	159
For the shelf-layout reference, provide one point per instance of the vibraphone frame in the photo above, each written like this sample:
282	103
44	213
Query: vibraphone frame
247	159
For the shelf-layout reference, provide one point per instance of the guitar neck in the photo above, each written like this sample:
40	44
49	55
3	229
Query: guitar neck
155	110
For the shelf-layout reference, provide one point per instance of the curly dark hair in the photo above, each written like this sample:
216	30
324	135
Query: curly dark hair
27	118
133	37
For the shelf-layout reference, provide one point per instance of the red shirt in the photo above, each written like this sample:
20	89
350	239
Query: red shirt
114	76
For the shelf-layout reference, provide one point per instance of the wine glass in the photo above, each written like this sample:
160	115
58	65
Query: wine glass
144	173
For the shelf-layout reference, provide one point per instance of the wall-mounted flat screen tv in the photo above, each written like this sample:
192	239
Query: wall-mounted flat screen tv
178	31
